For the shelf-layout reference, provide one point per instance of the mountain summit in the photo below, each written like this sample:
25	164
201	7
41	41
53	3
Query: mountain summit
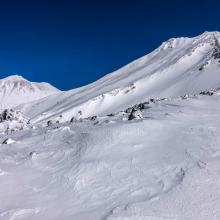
15	90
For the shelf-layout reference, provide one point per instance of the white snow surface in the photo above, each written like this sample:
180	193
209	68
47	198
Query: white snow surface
15	90
163	166
160	164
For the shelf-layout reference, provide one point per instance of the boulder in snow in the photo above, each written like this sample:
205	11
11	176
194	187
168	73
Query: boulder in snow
8	141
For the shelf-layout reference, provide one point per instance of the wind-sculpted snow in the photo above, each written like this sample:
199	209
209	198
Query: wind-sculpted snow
163	165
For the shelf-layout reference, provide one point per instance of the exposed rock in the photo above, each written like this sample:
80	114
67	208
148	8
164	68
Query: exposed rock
73	119
135	108
12	120
201	68
92	118
111	115
135	114
10	115
210	93
49	123
216	53
8	141
32	153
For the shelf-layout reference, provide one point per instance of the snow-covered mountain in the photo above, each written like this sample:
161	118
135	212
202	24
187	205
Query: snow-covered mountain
15	90
179	66
162	164
142	143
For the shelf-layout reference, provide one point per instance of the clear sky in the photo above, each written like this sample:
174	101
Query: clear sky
73	43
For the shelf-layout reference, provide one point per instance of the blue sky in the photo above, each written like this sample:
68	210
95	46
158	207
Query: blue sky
73	43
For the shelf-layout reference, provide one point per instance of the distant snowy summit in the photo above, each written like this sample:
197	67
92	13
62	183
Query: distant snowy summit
15	90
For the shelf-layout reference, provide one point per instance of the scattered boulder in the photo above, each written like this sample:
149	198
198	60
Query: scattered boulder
8	141
79	114
216	53
54	121
201	68
111	115
140	106
184	97
76	119
12	120
92	118
129	110
210	93
58	119
135	108
135	114
73	119
163	99
135	111
12	115
32	154
49	123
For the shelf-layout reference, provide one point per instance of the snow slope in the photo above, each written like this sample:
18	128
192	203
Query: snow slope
164	166
179	66
15	90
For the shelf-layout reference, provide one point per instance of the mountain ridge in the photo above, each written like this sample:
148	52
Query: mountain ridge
177	67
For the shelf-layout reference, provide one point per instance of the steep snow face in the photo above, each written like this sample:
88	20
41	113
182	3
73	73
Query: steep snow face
179	66
15	90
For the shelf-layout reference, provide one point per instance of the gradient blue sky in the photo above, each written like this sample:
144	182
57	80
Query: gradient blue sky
73	43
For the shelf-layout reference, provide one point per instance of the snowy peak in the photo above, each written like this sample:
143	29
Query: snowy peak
207	43
209	35
206	37
19	83
16	90
13	78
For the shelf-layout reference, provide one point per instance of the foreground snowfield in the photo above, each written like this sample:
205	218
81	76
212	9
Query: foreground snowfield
162	166
117	149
